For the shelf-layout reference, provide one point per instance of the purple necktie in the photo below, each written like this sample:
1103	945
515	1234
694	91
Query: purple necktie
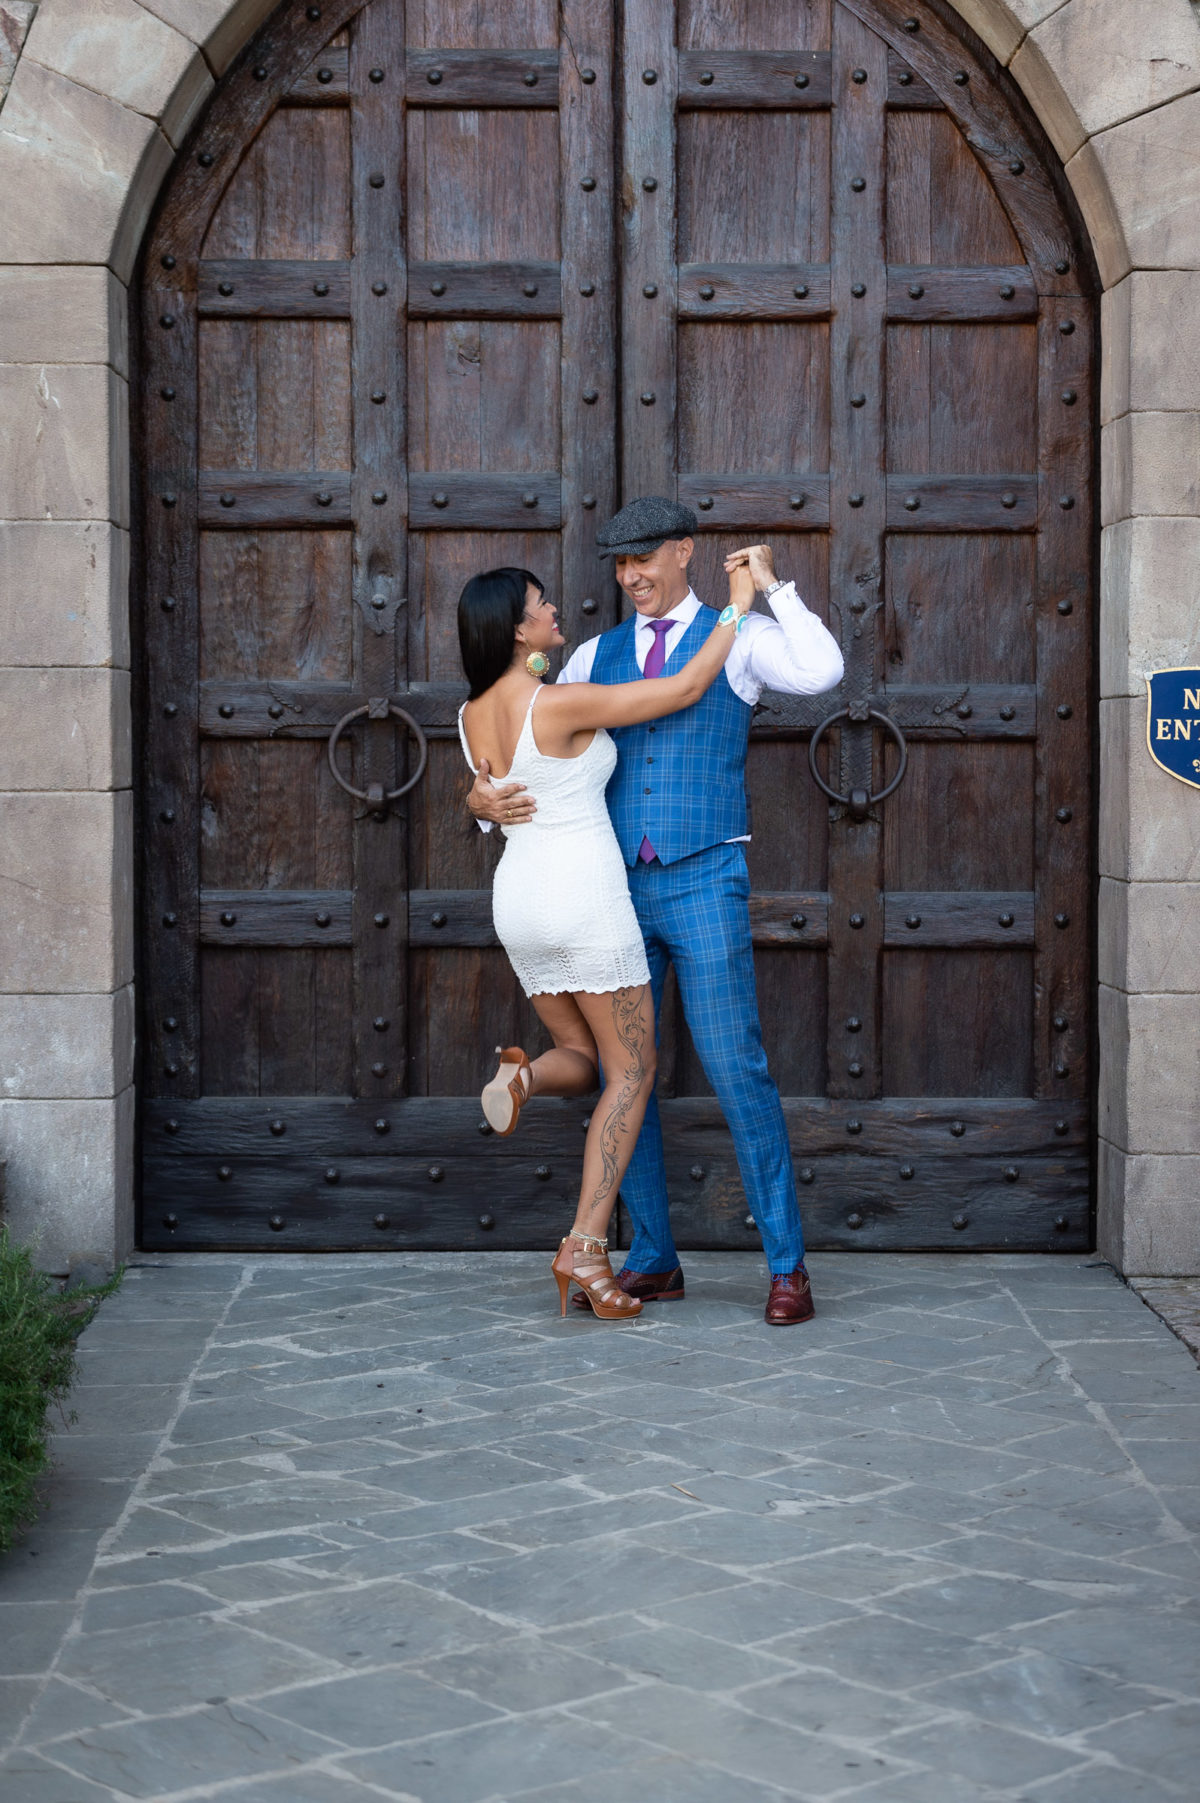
656	657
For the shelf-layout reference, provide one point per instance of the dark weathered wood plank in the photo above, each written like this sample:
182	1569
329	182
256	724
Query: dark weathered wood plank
753	290
232	288
309	917
748	79
484	291
236	500
483	78
962	503
486	501
958	918
463	917
960	296
960	711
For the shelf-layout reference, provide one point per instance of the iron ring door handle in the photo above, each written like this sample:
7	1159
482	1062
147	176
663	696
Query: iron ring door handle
858	800
378	710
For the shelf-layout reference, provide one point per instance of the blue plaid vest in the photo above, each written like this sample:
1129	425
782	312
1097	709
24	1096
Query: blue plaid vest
680	781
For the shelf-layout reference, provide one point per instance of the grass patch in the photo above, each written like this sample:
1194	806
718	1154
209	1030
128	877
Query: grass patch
39	1326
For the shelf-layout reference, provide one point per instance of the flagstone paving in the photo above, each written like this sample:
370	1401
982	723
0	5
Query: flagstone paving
336	1529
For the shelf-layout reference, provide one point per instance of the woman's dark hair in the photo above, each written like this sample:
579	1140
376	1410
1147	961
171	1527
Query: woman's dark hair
489	612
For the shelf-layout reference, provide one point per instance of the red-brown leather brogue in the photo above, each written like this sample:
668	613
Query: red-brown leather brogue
790	1300
647	1286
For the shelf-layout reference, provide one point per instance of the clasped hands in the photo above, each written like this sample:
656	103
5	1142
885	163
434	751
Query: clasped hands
509	804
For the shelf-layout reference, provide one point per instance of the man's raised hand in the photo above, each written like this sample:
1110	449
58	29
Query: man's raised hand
506	805
758	560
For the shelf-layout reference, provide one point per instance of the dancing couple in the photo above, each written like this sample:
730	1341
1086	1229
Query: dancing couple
623	807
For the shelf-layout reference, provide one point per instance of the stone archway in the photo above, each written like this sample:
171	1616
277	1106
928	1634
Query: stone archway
101	98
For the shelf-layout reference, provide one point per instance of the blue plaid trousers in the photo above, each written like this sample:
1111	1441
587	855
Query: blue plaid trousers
695	915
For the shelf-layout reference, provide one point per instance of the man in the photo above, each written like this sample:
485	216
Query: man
678	804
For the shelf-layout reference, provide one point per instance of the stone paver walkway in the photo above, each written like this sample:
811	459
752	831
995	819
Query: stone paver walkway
338	1529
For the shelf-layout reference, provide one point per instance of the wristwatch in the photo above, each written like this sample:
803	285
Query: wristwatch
780	582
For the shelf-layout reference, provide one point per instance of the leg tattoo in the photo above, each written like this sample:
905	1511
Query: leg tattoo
625	1090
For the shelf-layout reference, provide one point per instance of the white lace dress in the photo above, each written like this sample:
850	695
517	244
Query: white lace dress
560	897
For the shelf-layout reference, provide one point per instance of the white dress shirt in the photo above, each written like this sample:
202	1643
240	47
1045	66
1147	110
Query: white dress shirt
793	653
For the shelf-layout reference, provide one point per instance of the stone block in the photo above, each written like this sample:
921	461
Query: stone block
1150	464
1149	821
69	729
996	22
1150	937
1150	589
1149	1213
64	453
70	1178
70	315
1153	173
1101	215
78	172
119	49
1112	66
1041	79
66	1046
1149	1071
220	27
64	593
16	16
66	881
1150	327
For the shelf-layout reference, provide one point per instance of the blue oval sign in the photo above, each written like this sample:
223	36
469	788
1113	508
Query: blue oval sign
1173	722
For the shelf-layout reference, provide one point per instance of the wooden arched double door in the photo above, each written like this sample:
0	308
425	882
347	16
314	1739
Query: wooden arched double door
436	286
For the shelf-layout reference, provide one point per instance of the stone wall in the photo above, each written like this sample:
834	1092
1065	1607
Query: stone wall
102	95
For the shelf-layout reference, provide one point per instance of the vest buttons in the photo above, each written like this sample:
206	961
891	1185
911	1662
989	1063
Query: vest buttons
649	760
647	791
654	729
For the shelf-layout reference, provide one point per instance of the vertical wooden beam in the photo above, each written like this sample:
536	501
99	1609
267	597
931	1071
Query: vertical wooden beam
170	630
647	201
857	511
379	503
1062	831
589	303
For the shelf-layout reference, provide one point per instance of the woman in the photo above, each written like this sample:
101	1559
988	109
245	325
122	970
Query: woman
560	899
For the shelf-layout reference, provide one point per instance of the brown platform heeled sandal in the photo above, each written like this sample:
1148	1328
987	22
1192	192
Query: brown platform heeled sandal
507	1093
583	1259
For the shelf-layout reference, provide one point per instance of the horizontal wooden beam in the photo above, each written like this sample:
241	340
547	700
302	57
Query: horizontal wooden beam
967	1127
929	295
256	288
399	1199
962	503
754	80
484	291
268	709
1000	920
239	500
484	501
936	711
285	917
753	290
799	503
482	78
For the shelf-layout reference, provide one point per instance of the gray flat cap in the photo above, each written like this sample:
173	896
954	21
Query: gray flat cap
643	525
